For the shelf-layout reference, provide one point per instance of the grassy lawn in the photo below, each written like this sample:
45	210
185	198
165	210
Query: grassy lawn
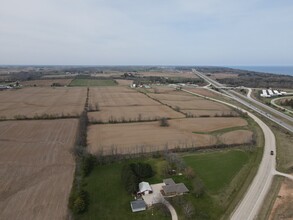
108	198
93	82
217	169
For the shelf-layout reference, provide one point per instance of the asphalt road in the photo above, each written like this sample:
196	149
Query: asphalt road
247	104
273	102
281	114
250	205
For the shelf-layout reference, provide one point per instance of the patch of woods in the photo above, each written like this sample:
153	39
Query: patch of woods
134	173
287	102
251	78
166	80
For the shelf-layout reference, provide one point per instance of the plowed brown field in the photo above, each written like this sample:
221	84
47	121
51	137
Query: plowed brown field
149	136
32	101
203	92
133	113
120	96
124	82
190	104
36	168
236	137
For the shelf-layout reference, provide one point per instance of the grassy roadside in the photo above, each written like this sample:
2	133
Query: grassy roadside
270	198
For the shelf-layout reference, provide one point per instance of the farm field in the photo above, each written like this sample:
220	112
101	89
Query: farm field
36	168
93	82
236	137
133	113
32	101
46	82
124	82
192	105
283	206
120	96
203	92
150	136
223	75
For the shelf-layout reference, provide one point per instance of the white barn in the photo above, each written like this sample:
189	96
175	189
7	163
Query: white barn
144	188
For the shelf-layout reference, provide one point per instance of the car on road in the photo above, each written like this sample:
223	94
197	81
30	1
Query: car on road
272	152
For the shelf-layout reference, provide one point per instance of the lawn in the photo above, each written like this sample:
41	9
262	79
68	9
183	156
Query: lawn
217	169
108	198
93	82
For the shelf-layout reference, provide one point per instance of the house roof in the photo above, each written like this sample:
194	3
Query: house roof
169	181
138	205
175	188
144	186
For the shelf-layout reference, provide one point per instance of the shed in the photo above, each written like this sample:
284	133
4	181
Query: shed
145	188
138	205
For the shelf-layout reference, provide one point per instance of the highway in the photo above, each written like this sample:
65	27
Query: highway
249	207
281	114
273	102
247	104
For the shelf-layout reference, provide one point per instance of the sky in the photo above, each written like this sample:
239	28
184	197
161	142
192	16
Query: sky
146	32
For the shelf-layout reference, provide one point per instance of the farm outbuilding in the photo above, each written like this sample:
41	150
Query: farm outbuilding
138	205
144	188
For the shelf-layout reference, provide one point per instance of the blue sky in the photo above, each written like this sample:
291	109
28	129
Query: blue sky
146	32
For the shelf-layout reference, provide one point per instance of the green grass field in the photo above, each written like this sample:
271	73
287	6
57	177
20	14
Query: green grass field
217	169
108	198
93	82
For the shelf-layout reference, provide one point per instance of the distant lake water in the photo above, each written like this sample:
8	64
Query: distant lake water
287	70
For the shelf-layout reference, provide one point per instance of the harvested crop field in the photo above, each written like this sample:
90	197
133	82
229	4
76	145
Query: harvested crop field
46	82
149	136
133	113
236	137
121	96
32	101
192	105
36	168
124	82
203	92
223	75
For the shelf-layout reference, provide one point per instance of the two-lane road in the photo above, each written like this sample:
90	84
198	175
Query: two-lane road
250	205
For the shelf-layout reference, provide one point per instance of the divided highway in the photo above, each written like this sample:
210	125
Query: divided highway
250	205
231	94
